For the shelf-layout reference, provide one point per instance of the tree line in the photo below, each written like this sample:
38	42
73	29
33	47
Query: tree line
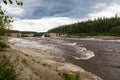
99	26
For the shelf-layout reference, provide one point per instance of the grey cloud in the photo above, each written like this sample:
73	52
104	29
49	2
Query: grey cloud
35	9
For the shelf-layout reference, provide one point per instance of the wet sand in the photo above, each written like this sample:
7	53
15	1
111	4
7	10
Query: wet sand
105	64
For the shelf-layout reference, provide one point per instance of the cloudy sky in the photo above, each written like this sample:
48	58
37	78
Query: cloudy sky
42	15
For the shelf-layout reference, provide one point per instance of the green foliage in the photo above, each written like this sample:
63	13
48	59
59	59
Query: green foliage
115	30
19	3
10	1
91	27
5	1
5	21
3	45
6	71
68	76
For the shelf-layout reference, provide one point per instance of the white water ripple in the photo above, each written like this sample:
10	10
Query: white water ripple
81	52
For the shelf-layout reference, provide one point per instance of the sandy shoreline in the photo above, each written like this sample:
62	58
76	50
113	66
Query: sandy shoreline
44	64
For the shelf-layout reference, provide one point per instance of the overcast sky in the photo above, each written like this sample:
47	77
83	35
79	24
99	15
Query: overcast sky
42	15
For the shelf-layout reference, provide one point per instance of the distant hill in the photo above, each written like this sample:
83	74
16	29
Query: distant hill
101	26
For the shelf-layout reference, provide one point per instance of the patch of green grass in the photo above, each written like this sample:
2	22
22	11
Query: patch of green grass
7	71
70	76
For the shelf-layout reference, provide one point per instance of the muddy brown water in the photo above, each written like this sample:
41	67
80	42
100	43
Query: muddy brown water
105	64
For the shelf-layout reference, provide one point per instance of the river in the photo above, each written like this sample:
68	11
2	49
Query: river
101	57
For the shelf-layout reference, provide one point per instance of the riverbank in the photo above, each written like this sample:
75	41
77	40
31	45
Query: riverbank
35	64
96	37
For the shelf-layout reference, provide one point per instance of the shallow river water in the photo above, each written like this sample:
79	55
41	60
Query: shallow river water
101	57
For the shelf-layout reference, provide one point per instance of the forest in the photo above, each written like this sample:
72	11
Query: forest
100	26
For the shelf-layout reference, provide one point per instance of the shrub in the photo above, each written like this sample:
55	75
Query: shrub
6	71
70	76
3	45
